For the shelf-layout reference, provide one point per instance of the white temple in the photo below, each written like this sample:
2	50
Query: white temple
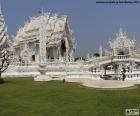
49	32
44	48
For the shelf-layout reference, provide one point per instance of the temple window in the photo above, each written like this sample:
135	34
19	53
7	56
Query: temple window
63	48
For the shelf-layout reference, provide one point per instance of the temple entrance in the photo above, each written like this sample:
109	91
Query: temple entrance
33	58
63	48
121	53
124	51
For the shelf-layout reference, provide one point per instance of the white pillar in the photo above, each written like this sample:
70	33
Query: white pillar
67	55
43	40
101	51
114	51
72	56
130	52
59	51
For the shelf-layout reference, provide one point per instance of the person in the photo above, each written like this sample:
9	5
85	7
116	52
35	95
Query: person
63	80
123	74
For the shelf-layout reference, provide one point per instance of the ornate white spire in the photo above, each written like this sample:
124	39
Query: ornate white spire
1	15
121	30
3	29
121	41
120	27
121	33
101	51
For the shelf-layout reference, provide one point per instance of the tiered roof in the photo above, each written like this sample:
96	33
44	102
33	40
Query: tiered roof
121	41
56	27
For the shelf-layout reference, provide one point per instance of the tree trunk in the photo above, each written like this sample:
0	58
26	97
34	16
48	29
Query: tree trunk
0	74
1	79
105	72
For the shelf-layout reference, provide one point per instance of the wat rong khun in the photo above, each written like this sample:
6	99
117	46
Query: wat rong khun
44	49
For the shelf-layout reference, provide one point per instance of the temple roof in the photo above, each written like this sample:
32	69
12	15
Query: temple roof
121	41
30	31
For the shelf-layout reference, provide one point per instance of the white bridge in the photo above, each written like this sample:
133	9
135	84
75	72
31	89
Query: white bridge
131	63
98	61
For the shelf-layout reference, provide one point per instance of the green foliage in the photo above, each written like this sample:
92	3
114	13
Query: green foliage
96	54
24	97
5	55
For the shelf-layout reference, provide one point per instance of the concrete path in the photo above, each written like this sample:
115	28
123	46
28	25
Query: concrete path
112	84
104	84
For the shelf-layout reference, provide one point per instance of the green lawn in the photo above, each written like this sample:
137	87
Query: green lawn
24	97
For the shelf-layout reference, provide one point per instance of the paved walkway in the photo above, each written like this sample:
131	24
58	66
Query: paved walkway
105	84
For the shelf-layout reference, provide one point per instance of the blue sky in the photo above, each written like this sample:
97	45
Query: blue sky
93	24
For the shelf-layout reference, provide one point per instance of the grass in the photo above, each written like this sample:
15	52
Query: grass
24	97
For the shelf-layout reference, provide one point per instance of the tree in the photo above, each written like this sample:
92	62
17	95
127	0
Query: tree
96	54
4	61
123	73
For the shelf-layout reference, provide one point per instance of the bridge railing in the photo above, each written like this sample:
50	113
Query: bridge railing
98	59
121	57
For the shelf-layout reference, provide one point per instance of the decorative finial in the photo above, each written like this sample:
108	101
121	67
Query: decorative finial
120	30
134	38
41	11
101	50
120	33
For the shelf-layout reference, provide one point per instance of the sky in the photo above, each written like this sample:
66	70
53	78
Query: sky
93	24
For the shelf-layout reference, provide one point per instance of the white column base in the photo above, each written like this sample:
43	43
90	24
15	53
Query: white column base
42	78
96	78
